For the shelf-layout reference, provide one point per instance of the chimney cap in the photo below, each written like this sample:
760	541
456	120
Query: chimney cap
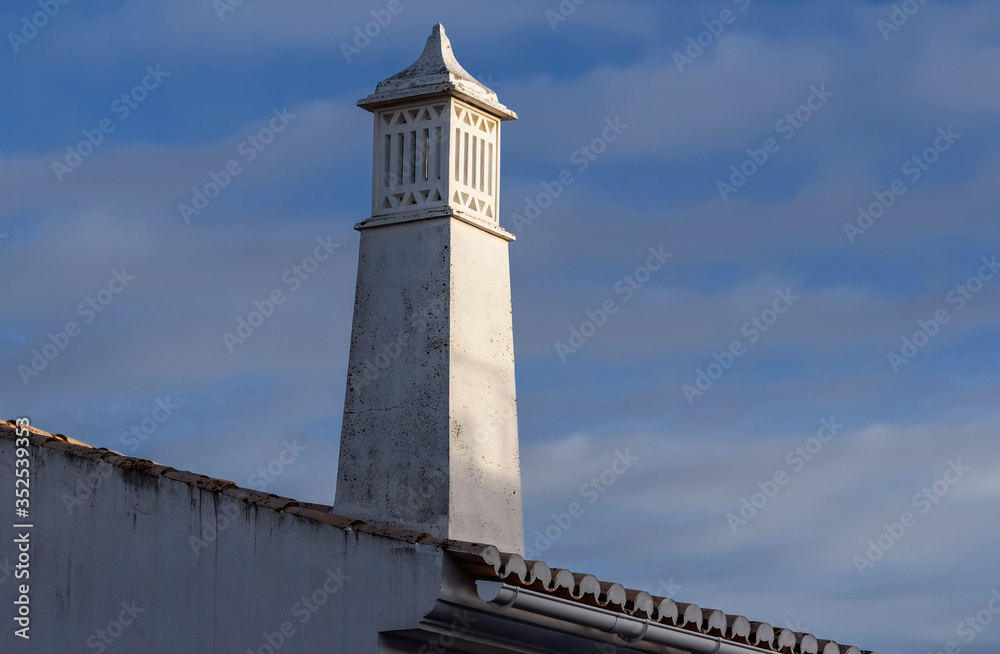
436	72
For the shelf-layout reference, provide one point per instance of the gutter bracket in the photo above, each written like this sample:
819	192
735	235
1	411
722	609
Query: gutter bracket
641	635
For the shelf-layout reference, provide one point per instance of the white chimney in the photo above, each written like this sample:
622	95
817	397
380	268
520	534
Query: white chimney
429	440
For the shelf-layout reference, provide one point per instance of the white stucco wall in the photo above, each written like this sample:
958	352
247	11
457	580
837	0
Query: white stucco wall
125	554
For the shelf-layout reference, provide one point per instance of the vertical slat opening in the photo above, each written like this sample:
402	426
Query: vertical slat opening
412	156
425	153
436	158
399	158
490	178
386	160
465	160
482	164
474	140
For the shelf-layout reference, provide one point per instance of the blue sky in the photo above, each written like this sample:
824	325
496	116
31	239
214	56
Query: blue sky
865	100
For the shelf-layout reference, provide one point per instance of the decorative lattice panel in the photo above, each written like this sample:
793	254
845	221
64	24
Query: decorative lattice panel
410	160
475	171
436	154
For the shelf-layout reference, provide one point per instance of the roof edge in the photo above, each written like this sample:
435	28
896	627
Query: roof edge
481	561
316	512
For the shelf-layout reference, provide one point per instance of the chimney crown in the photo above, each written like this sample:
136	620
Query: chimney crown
436	147
436	71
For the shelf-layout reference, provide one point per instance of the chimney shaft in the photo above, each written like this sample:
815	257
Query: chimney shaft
429	439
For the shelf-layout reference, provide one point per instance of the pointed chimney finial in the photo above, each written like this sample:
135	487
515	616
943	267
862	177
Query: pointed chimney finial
436	71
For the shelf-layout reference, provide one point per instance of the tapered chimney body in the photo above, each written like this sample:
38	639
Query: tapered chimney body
429	439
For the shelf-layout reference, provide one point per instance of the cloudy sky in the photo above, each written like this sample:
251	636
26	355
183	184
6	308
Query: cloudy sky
807	385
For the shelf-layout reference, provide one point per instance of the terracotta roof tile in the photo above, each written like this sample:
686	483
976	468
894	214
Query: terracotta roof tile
144	466
667	611
637	602
738	628
715	623
611	593
199	481
325	517
690	616
761	634
785	641
807	644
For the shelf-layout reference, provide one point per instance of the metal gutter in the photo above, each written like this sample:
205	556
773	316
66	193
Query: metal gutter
631	630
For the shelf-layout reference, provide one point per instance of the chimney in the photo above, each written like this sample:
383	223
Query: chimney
429	439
